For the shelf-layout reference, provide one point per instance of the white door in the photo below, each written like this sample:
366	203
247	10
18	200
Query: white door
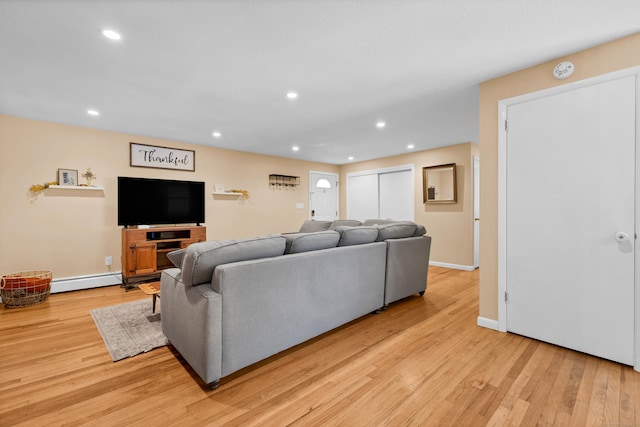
570	197
396	195
362	196
323	196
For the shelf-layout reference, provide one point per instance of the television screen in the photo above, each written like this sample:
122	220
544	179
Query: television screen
144	201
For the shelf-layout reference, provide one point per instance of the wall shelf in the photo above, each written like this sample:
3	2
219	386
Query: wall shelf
277	180
226	193
74	187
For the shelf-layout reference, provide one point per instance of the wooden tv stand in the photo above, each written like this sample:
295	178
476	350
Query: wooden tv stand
144	250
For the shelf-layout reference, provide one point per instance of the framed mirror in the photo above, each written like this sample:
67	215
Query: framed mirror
439	184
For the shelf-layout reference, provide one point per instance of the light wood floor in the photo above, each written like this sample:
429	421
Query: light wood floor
422	362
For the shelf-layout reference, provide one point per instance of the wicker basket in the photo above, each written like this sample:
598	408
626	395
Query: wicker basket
25	288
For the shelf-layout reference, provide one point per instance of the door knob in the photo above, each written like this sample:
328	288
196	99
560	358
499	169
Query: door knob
621	236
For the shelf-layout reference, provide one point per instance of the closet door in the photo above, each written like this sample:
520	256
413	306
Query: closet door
570	219
396	195
382	193
362	196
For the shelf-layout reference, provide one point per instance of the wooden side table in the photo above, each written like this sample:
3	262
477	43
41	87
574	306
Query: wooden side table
153	289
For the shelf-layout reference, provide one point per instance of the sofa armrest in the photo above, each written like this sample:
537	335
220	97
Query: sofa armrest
192	322
407	267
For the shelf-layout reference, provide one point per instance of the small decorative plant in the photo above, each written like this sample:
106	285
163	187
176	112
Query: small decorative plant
244	193
38	188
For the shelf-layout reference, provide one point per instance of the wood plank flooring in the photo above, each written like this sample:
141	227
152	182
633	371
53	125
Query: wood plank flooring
422	362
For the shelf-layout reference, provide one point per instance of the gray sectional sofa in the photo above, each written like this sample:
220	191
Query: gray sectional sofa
231	303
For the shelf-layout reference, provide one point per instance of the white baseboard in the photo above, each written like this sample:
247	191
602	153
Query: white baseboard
454	266
85	282
488	323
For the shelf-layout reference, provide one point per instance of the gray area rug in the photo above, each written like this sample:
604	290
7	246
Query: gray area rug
129	329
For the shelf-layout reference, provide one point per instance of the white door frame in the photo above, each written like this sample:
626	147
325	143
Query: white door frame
337	192
502	190
476	212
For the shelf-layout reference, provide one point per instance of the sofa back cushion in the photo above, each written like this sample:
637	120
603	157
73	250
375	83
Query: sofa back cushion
346	222
313	226
420	231
176	257
200	259
305	242
396	230
356	235
370	222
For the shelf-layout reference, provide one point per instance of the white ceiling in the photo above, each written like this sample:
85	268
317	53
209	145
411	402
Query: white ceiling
186	68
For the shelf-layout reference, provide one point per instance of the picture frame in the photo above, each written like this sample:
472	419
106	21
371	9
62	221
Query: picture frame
158	157
439	184
68	177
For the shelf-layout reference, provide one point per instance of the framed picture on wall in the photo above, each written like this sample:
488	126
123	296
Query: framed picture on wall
68	177
439	184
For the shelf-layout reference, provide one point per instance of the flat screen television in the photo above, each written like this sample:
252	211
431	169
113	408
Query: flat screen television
145	201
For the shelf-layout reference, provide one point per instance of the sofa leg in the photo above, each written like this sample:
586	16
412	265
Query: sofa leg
376	311
421	293
213	385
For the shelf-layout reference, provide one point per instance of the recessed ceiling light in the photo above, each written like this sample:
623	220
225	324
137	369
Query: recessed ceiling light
93	112
295	148
292	95
110	34
350	157
411	146
380	124
216	134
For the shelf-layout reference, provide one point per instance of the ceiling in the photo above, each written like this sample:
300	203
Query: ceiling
184	69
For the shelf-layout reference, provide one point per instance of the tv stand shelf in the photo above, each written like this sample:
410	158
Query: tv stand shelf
144	250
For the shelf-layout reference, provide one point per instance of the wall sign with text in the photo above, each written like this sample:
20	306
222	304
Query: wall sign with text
151	156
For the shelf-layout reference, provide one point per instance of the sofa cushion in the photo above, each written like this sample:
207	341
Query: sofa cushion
344	222
396	230
420	230
201	259
313	226
370	222
305	242
356	235
176	257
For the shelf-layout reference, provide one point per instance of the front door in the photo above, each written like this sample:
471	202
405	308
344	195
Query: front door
323	196
570	234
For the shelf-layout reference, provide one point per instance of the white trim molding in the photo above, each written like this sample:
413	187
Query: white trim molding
488	323
453	266
85	282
